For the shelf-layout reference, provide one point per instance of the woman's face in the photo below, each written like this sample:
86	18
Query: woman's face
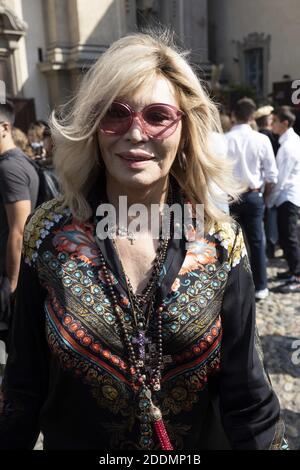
134	159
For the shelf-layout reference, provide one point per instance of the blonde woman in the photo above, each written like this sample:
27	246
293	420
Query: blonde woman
136	342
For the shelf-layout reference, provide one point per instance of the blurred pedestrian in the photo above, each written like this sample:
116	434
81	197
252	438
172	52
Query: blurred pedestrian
255	167
49	185
286	196
35	137
48	146
264	118
219	147
225	122
19	185
21	141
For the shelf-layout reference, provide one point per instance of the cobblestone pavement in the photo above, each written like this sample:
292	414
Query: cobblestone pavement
278	321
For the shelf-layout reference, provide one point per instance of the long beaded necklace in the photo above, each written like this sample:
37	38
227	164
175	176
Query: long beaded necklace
142	315
142	304
148	413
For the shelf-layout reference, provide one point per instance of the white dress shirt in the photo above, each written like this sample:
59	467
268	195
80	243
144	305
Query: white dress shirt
288	162
218	143
219	146
253	156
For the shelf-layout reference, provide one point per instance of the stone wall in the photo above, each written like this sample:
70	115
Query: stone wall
64	37
273	24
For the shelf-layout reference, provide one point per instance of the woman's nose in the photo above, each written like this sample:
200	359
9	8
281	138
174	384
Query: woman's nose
136	131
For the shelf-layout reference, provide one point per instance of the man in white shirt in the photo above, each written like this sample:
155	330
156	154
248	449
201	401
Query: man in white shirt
255	167
264	117
219	146
286	196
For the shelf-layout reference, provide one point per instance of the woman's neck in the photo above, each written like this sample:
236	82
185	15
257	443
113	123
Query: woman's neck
154	194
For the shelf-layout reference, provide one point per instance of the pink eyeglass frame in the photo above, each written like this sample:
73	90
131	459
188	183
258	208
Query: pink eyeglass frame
143	123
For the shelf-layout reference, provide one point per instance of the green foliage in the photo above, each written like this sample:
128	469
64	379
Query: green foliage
230	94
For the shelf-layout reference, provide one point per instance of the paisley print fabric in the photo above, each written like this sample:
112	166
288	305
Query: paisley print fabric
70	370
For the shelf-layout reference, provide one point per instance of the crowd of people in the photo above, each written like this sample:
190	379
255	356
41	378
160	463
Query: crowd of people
27	179
265	151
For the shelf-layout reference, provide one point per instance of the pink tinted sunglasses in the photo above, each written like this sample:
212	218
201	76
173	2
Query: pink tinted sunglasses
157	120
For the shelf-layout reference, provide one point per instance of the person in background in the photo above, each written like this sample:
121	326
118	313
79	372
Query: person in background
225	122
264	118
285	196
253	125
21	141
49	185
219	147
19	183
35	137
48	145
255	166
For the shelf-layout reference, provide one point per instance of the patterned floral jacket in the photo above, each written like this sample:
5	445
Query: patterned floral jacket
68	372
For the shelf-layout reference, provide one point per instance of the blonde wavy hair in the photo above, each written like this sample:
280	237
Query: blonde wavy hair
132	62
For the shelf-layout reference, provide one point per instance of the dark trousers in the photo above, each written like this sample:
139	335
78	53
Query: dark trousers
287	216
249	212
271	230
7	301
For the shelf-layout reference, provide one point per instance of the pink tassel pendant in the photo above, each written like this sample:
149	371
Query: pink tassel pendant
160	428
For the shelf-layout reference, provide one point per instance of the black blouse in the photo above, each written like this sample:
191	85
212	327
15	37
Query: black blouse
68	373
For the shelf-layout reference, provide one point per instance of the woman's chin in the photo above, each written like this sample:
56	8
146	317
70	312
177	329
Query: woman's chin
138	179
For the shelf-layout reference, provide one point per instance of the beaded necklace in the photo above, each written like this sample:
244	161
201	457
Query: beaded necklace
149	414
142	304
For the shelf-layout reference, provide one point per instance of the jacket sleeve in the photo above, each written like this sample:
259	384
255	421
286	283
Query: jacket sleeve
249	408
26	373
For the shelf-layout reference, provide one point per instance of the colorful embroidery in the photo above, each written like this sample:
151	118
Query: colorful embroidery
232	240
78	240
39	227
199	253
83	332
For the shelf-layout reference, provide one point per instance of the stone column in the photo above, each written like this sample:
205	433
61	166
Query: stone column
91	27
11	31
196	30
189	21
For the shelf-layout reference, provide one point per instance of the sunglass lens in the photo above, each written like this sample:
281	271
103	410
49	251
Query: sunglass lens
160	120
117	120
158	115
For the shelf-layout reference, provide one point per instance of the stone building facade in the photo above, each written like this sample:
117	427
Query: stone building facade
49	43
257	41
45	45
